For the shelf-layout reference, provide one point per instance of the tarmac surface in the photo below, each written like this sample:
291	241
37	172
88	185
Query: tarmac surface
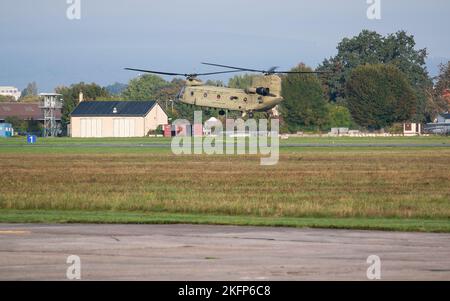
201	252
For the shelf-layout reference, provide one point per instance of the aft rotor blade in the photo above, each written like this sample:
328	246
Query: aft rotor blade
302	72
270	71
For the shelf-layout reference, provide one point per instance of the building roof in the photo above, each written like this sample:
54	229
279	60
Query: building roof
24	111
446	115
113	108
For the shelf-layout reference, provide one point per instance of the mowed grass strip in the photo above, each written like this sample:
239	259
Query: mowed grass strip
124	217
351	183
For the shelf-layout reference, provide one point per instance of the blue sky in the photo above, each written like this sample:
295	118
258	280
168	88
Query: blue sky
40	43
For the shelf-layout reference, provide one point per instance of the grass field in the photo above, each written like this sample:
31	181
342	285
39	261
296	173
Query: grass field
65	141
388	188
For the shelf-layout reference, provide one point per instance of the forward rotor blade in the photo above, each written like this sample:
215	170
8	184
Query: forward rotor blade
181	74
231	67
156	72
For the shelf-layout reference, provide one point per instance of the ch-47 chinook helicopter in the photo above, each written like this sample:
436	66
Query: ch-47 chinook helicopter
262	96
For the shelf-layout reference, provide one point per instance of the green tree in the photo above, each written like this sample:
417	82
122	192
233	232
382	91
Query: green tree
145	87
70	97
30	90
240	81
369	47
440	99
18	124
7	98
214	83
304	106
339	116
30	99
379	95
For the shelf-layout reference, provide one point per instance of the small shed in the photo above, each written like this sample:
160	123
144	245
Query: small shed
6	130
412	129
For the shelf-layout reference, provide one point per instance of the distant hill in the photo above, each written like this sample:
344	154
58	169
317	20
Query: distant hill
116	88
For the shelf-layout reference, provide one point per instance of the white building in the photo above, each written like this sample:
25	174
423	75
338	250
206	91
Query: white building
116	118
10	91
412	129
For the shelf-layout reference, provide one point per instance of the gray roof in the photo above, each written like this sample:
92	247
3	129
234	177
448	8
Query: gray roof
106	108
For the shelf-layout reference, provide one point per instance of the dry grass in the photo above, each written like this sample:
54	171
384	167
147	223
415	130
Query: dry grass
413	183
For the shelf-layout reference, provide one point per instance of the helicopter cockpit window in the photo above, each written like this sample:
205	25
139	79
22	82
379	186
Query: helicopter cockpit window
180	93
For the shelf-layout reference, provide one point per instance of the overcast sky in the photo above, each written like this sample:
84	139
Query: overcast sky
39	43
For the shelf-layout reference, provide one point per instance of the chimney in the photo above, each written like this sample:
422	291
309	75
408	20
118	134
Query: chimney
80	97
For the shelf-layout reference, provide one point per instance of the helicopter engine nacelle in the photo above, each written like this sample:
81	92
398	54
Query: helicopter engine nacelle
262	91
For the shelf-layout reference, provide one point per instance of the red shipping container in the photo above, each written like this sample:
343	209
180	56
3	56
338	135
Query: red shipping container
167	130
198	130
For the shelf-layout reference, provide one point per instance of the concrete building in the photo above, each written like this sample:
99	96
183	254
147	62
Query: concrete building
10	91
116	118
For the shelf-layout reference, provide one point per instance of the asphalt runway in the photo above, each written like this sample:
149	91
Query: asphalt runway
200	252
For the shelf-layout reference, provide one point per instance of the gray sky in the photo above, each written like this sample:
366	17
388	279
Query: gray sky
40	43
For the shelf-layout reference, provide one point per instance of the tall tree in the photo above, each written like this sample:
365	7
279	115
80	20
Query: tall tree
441	93
145	87
379	95
369	47
30	90
304	105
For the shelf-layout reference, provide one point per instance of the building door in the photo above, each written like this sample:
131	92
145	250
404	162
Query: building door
91	127
123	127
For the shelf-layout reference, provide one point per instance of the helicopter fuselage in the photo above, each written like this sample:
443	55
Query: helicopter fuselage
263	95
